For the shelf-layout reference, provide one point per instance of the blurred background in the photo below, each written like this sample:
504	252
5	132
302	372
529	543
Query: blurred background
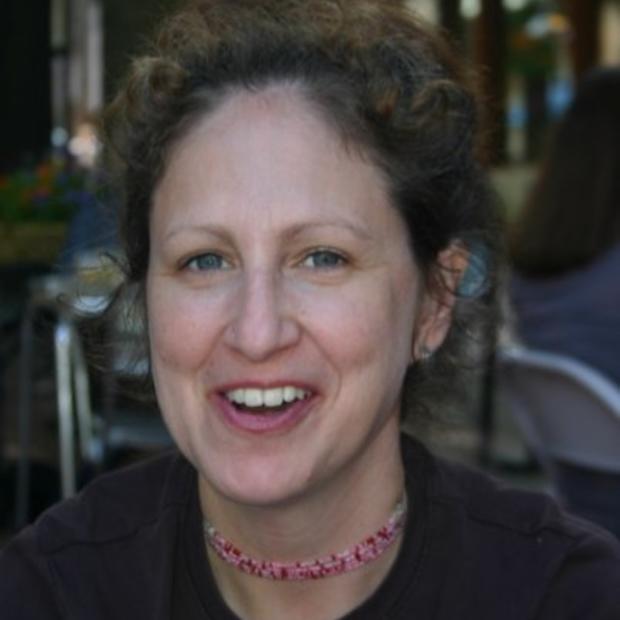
61	422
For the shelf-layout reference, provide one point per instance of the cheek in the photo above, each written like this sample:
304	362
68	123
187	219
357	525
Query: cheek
367	324
178	328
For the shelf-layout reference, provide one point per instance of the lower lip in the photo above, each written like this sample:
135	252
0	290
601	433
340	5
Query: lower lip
262	423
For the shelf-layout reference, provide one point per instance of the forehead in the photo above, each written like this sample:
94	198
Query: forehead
269	153
243	118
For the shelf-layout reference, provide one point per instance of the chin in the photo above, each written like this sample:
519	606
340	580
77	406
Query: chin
252	491
252	480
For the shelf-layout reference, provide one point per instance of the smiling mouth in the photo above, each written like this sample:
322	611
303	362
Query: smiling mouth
272	400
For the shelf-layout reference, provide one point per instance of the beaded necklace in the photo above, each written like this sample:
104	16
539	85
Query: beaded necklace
327	566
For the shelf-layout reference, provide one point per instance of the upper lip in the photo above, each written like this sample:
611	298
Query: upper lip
264	385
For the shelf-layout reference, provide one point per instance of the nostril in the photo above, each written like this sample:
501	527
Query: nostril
261	337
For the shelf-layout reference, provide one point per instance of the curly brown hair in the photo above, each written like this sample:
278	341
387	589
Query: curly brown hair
389	86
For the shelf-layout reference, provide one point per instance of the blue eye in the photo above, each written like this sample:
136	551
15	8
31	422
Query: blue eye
206	262
323	259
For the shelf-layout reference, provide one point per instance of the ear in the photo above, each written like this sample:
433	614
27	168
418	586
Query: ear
435	311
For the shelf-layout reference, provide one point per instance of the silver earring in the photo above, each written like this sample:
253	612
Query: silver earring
425	352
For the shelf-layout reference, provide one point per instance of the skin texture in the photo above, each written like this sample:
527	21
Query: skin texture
276	258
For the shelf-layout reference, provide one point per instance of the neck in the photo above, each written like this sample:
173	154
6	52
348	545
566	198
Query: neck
324	519
323	599
336	563
333	518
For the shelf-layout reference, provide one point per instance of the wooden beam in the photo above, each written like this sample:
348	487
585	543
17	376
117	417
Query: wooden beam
584	16
490	56
450	20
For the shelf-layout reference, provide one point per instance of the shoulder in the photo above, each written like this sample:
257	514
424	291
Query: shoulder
116	504
486	502
117	517
22	570
594	277
522	545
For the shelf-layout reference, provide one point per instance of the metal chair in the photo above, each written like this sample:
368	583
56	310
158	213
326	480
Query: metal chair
569	414
115	426
97	431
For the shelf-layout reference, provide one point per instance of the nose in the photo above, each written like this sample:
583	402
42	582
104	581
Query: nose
261	324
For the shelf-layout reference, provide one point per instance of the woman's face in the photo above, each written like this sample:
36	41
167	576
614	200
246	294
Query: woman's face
282	302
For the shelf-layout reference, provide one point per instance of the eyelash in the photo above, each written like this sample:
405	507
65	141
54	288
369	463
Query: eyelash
340	259
337	258
191	265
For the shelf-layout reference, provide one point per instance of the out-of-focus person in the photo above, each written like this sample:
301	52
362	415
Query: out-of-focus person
565	245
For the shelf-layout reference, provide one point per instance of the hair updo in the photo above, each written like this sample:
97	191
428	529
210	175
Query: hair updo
386	83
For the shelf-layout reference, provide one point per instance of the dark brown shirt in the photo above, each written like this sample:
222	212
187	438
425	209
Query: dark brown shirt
130	546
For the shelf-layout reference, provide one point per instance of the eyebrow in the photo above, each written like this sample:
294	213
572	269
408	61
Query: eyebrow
299	229
291	232
215	230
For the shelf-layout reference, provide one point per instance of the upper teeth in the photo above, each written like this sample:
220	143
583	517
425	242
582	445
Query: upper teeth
273	397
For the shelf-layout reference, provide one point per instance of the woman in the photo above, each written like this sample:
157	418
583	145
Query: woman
565	246
301	193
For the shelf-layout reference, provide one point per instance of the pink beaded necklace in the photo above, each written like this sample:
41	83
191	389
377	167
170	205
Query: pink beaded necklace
327	566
